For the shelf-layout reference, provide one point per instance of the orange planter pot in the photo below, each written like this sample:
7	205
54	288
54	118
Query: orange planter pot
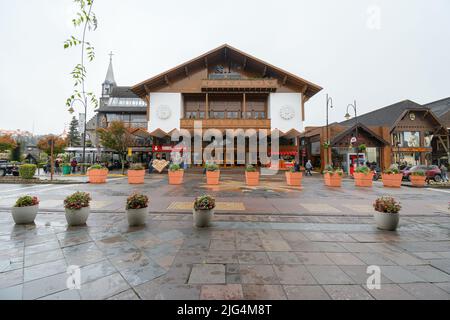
252	178
176	177
294	178
363	180
136	176
97	176
392	180
417	181
332	180
212	177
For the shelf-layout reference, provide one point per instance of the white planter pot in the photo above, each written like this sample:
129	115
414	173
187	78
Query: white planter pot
137	217
386	221
24	215
77	217
202	218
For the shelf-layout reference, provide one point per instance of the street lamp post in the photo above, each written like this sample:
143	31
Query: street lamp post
84	103
347	116
329	105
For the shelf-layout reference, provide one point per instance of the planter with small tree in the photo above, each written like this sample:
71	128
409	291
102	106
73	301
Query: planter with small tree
136	174
97	174
176	174
332	176
77	208
212	174
294	177
203	211
251	175
418	178
25	210
387	213
392	178
363	176
137	209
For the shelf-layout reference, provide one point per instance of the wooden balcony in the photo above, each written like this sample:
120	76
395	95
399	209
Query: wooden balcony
227	123
239	85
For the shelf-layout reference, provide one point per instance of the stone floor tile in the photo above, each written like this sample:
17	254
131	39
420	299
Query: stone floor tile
344	259
11	293
63	295
426	291
136	276
311	292
249	245
126	295
441	264
224	257
222	245
44	286
43	257
359	274
258	274
44	270
314	258
293	274
444	286
329	275
293	236
133	259
221	292
207	273
103	288
283	257
403	259
253	257
429	273
374	258
399	274
347	292
390	292
11	278
41	247
275	245
263	292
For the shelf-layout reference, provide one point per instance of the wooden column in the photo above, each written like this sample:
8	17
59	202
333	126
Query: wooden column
207	106
244	107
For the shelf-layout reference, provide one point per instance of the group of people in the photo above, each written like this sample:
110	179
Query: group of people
58	164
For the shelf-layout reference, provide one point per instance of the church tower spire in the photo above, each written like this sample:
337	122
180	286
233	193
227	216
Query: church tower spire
109	82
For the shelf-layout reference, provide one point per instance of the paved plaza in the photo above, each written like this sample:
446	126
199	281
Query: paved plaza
267	242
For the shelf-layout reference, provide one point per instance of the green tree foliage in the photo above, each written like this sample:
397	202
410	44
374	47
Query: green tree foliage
16	153
118	138
74	135
7	143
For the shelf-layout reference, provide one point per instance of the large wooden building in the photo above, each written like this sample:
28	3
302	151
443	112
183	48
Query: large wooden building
226	88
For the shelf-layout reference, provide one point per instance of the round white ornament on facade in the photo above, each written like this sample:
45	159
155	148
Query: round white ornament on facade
287	113
163	112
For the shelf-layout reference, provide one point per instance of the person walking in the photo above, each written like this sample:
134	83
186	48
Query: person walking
444	173
74	164
308	168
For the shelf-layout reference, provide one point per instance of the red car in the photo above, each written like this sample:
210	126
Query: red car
431	172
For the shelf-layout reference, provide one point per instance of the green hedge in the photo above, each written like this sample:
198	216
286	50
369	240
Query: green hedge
27	171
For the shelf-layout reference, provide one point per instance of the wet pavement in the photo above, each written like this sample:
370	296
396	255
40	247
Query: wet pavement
267	242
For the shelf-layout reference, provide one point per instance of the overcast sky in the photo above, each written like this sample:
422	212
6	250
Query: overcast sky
377	52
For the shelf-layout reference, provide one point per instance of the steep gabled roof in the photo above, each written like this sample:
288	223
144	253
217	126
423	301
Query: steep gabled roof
386	116
361	127
440	107
311	88
110	74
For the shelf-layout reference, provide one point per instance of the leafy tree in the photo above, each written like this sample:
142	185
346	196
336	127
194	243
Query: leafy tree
7	143
59	144
74	136
117	137
16	153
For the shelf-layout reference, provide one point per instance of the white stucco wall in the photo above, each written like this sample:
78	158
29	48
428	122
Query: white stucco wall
291	100
170	101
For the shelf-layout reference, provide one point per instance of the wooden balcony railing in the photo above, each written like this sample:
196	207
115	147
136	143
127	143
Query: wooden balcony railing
241	85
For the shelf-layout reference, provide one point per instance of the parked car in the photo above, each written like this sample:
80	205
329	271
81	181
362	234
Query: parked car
431	172
8	168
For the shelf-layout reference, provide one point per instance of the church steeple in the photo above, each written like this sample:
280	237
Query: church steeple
109	82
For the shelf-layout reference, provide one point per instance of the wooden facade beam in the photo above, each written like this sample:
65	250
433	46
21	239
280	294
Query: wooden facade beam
285	80
206	62
147	89
264	72
186	71
166	79
244	64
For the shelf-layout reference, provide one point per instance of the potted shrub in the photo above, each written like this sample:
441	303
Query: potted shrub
251	175
97	174
25	210
332	176
203	211
392	178
136	174
137	207
387	213
175	174
418	178
294	177
212	174
77	208
27	171
363	176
